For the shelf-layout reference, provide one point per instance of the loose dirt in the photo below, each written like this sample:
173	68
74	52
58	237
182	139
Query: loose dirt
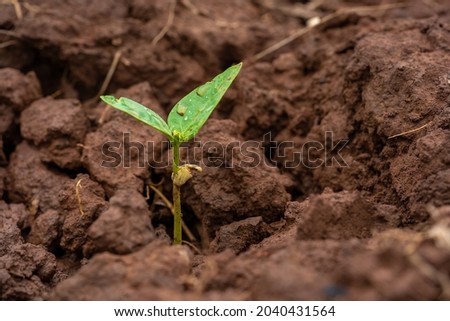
335	197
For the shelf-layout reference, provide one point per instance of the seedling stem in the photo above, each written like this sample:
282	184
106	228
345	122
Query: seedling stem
177	238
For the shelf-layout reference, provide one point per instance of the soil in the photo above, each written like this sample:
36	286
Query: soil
370	222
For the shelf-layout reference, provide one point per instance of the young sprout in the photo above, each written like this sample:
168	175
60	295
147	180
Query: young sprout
185	120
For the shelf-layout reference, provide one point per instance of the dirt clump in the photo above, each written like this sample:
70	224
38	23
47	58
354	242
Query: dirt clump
238	236
82	201
18	90
397	258
56	127
46	229
337	216
225	191
142	275
32	182
25	269
123	228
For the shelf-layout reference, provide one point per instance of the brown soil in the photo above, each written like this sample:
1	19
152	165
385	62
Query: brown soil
377	229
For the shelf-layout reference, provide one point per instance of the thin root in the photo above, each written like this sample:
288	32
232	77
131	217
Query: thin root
169	205
77	192
410	131
303	31
168	24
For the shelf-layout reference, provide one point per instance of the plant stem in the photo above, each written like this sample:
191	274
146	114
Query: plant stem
177	232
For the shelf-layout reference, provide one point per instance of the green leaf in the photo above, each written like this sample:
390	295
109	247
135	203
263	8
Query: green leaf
139	112
189	115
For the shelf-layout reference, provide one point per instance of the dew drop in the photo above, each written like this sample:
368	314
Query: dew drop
181	110
201	91
185	118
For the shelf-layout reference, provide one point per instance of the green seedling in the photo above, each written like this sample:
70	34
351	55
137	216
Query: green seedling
185	120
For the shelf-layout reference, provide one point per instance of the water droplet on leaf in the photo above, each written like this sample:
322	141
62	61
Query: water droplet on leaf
201	91
181	110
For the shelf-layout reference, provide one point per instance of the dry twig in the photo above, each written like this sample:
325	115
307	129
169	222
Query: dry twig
410	131
303	31
193	247
8	44
107	81
169	22
10	33
110	74
17	9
